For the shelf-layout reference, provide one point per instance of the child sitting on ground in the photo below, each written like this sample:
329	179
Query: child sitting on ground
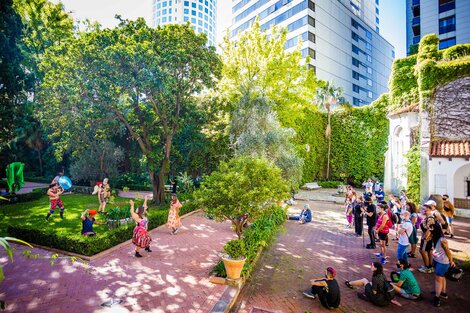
88	221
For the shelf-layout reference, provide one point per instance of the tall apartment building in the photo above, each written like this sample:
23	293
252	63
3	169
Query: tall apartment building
201	14
449	19
341	37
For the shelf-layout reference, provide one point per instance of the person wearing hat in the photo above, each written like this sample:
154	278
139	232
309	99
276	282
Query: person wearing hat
425	248
407	286
327	290
88	219
437	215
371	217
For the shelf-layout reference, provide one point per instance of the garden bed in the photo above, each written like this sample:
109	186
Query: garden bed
26	221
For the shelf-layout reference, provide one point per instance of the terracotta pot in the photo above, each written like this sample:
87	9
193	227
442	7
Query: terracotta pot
233	267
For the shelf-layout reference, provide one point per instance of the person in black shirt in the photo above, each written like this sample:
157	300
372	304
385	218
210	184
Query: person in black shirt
327	290
371	218
358	216
375	290
173	185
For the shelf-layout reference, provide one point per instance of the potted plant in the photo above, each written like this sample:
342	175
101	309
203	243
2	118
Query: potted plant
117	216
240	191
235	258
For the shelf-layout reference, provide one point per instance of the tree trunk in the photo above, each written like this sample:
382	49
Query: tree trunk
329	148
40	163
164	169
154	182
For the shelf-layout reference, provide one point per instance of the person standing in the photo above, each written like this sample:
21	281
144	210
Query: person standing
425	248
382	229
54	197
140	236
103	195
449	211
174	185
174	221
377	186
411	207
358	216
403	198
442	261
405	231
349	212
371	218
327	290
380	195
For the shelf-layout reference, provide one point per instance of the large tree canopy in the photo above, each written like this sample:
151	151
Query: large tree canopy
138	76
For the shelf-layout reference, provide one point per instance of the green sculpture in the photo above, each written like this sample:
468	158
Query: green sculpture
15	179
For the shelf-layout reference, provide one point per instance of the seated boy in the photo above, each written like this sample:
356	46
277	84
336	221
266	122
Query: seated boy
88	221
327	290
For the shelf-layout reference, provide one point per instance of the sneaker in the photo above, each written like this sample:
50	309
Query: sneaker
436	301
384	261
176	231
138	255
378	255
362	296
431	269
148	249
411	255
443	295
309	294
451	235
422	269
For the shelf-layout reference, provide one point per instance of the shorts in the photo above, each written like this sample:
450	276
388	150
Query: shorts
449	220
405	294
102	199
383	236
440	269
56	203
428	246
414	236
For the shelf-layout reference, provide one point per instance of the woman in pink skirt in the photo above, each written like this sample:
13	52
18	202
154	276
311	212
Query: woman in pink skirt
174	221
140	237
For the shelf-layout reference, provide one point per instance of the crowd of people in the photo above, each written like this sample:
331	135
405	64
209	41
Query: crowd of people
140	238
396	219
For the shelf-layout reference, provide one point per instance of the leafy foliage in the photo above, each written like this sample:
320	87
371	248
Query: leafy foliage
235	249
455	52
241	190
413	169
403	82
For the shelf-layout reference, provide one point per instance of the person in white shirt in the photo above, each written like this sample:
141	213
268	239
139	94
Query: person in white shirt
404	232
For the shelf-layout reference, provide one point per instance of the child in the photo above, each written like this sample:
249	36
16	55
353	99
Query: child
88	221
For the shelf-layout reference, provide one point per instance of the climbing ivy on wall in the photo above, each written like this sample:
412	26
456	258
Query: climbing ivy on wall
413	174
359	142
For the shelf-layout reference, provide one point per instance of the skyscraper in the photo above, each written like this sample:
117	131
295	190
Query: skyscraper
201	14
341	37
449	19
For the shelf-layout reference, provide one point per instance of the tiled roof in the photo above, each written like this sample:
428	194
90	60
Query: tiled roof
449	149
414	107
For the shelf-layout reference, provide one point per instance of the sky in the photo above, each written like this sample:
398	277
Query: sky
392	16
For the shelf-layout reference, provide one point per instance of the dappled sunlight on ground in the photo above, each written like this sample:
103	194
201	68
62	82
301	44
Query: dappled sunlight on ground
172	278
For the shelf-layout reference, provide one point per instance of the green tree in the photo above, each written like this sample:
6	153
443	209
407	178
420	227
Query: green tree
12	75
258	64
141	77
326	98
256	132
240	190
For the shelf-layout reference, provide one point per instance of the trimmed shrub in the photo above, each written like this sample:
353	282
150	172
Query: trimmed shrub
26	197
330	183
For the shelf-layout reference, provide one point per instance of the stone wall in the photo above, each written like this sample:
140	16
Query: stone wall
451	111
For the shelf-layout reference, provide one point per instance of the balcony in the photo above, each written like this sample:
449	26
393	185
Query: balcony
415	21
415	2
447	7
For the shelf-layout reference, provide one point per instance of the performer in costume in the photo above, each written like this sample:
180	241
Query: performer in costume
103	195
174	221
140	237
54	193
88	221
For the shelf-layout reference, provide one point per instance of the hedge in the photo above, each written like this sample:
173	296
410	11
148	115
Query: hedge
260	235
89	245
35	194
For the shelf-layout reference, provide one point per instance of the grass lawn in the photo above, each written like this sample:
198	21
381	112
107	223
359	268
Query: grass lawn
29	224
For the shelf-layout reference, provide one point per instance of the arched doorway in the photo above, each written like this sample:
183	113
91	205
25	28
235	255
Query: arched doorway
461	190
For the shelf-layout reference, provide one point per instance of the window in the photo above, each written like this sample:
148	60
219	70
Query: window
186	11
369	94
368	34
356	102
355	88
193	20
193	12
355	49
159	5
193	5
308	52
186	3
199	14
369	70
169	18
158	13
393	54
164	19
376	10
164	4
446	5
377	29
369	58
355	75
377	2
447	25
446	43
206	18
355	62
377	20
186	19
369	82
368	46
199	22
201	8
354	23
164	11
354	36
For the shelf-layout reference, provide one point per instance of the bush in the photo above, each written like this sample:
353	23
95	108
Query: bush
257	237
330	183
456	52
235	249
26	197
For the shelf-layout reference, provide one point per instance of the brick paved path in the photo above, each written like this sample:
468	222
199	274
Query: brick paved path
173	278
304	251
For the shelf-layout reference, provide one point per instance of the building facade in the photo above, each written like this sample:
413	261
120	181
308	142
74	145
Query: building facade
201	14
449	19
341	37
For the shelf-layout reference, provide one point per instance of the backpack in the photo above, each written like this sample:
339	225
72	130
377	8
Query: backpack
392	218
389	291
